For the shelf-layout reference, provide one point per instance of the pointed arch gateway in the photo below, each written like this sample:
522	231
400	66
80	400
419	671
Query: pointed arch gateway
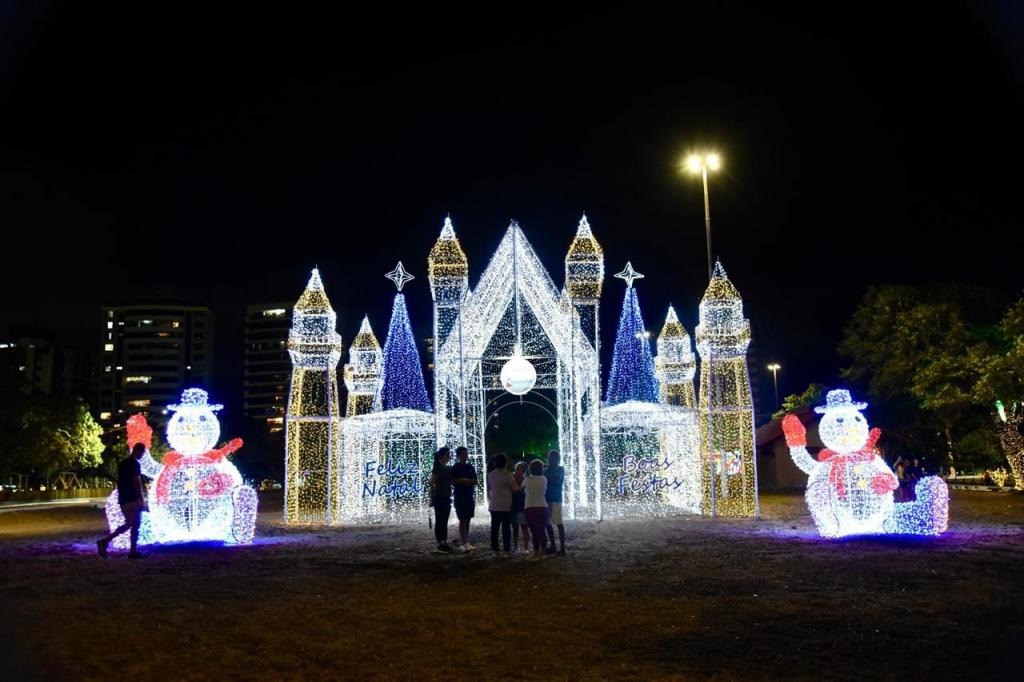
516	309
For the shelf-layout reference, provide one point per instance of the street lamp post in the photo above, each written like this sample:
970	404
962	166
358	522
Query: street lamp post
774	369
702	163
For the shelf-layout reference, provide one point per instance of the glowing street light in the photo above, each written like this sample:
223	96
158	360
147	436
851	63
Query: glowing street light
774	369
702	163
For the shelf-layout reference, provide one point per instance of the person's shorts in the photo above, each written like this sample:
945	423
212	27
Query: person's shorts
130	508
464	508
555	513
519	518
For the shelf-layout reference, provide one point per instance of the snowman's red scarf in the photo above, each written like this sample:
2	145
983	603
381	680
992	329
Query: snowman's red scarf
211	485
839	462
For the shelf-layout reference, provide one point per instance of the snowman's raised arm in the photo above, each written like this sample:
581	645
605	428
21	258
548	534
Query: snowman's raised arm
229	447
796	439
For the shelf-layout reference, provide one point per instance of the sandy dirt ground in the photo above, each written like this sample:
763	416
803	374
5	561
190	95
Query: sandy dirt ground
677	597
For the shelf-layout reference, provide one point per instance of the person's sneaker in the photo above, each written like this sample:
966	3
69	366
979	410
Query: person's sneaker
101	548
136	555
469	547
464	549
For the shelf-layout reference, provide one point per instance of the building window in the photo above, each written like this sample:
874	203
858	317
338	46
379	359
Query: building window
110	324
274	312
104	415
139	403
110	313
107	368
138	380
108	347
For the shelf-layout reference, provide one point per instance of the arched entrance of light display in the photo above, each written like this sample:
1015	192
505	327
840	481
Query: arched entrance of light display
528	425
515	313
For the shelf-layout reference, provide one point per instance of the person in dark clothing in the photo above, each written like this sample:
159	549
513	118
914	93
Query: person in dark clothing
464	480
441	497
132	500
555	473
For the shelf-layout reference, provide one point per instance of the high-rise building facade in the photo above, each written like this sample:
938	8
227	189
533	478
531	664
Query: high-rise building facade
39	366
148	355
267	367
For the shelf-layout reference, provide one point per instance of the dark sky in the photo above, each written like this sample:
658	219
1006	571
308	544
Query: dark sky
217	157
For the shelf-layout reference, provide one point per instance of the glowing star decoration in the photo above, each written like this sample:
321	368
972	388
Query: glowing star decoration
628	274
313	420
726	404
197	494
849	487
399	276
518	376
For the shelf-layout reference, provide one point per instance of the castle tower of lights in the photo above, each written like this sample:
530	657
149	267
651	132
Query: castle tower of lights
313	421
362	371
676	363
727	410
448	272
584	280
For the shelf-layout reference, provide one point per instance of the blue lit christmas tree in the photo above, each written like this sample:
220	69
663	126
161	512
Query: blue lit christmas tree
632	375
401	372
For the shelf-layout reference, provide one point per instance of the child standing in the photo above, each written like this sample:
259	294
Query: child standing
536	485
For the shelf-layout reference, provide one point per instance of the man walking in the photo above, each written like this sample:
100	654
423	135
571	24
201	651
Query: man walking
464	484
556	478
131	499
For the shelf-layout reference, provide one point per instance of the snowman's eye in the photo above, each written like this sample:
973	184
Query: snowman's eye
858	419
839	420
202	417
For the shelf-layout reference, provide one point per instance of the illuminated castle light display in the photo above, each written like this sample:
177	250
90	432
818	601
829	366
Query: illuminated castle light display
729	477
645	447
313	420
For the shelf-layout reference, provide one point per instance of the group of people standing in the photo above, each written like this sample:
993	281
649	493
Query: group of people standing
908	473
526	501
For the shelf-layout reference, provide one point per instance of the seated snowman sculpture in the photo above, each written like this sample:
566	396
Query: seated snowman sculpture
849	487
197	494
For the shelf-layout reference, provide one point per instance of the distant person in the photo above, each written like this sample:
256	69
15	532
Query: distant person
441	497
900	494
132	500
501	486
518	510
464	480
536	486
556	479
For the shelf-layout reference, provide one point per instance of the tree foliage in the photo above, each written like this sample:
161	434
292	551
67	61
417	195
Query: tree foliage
814	394
43	435
916	353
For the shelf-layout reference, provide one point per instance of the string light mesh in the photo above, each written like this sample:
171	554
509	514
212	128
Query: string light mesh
1008	423
584	264
632	375
313	422
362	373
196	493
676	364
401	381
726	406
850	488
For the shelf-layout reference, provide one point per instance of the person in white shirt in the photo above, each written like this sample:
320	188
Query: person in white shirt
501	485
536	485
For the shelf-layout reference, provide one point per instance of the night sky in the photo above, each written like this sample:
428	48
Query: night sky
215	159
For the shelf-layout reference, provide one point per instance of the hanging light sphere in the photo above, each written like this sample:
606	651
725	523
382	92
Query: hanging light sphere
518	375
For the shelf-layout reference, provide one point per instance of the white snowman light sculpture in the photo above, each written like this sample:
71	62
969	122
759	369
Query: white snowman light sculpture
197	494
849	487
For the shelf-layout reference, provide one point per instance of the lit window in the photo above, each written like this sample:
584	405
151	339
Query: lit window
110	313
119	368
110	324
138	380
146	322
107	368
21	368
175	324
108	347
104	415
139	403
274	312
